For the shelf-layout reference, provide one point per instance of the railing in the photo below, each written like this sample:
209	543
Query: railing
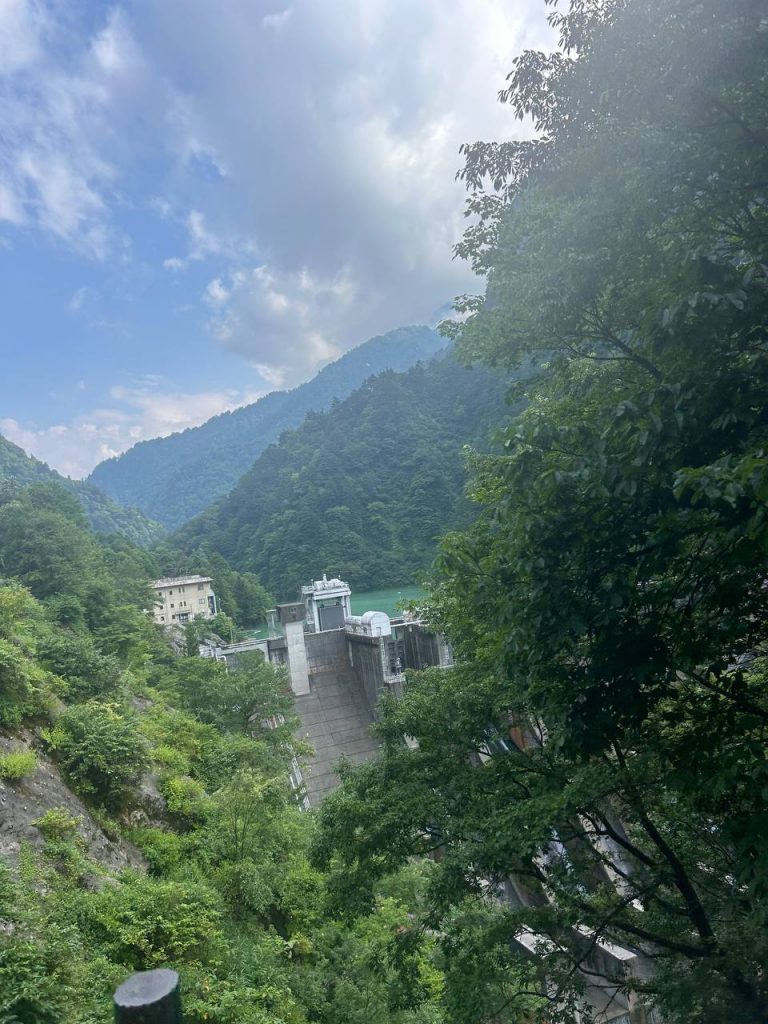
149	997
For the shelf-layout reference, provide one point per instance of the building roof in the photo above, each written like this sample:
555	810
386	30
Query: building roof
180	581
324	585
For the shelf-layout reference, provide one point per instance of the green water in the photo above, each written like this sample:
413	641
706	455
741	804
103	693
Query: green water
256	634
387	601
384	600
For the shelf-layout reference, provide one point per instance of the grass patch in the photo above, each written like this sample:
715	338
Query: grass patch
17	765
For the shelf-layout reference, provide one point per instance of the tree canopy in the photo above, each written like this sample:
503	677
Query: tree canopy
183	770
601	747
174	478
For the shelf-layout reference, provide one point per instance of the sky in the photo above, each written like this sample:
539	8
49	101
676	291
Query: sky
201	202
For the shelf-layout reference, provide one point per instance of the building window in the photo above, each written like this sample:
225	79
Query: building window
200	586
173	606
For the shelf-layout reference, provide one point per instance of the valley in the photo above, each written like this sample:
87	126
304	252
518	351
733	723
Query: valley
429	683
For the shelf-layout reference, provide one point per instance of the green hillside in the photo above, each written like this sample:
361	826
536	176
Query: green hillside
17	470
363	490
173	478
147	812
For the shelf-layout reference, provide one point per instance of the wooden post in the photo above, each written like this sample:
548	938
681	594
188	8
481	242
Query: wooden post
149	997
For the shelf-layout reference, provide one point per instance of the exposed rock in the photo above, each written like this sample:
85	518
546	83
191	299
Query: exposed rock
150	800
24	801
95	883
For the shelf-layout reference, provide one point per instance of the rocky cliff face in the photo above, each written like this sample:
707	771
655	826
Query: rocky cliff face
25	801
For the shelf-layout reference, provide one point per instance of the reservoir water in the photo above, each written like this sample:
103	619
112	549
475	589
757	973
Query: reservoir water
387	601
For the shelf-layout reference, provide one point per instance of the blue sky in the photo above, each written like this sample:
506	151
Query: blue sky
200	202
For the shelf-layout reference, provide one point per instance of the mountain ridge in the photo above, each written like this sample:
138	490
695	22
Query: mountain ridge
174	478
19	469
362	490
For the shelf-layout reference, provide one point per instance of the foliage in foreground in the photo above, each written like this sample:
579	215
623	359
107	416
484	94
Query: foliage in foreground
189	763
598	758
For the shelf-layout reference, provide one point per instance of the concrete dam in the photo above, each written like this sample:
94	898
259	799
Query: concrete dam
339	665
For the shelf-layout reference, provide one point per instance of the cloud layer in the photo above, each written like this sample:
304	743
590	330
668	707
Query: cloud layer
334	129
300	156
134	414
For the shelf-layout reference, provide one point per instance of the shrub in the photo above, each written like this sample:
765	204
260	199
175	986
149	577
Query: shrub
185	797
146	922
30	993
171	758
24	685
8	895
57	823
17	764
101	750
163	850
76	658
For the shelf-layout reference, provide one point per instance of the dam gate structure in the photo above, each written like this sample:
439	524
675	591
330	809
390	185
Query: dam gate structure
339	665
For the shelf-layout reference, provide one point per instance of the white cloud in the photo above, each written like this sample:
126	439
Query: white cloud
21	24
294	315
277	22
11	209
203	242
134	414
339	127
216	294
79	298
305	156
61	103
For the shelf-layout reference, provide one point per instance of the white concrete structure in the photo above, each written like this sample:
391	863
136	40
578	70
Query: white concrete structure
179	599
292	620
327	603
369	624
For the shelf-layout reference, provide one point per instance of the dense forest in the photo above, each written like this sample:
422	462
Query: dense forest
363	490
17	469
173	478
594	768
147	816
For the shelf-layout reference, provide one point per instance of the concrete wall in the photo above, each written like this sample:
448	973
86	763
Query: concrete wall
297	657
327	652
421	648
366	655
278	650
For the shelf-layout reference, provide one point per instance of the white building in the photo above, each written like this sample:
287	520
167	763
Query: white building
180	599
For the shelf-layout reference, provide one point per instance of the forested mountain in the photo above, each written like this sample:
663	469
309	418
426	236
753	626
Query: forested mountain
17	469
173	478
362	490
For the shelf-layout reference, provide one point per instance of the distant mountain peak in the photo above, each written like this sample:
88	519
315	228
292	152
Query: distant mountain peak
171	479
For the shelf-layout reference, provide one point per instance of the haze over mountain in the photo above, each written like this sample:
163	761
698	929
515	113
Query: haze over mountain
171	479
363	490
17	469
